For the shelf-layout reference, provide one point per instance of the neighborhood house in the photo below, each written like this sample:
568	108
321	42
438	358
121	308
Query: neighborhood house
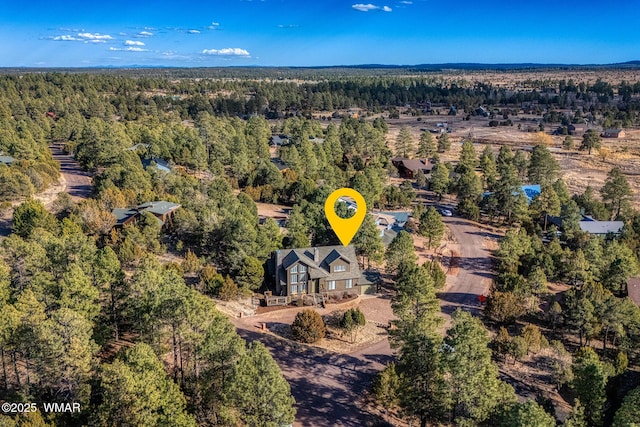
408	168
162	210
319	270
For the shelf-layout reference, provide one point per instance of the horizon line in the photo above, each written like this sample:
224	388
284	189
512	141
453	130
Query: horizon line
630	63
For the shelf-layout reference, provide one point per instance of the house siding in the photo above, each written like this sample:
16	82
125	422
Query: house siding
320	269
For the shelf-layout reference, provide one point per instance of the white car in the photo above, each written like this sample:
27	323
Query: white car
446	212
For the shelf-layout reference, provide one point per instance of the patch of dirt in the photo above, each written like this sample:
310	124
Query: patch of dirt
336	340
532	376
48	196
236	309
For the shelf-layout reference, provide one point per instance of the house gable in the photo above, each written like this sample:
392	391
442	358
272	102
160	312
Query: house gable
324	269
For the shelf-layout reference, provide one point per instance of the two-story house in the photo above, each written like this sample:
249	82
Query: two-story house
323	269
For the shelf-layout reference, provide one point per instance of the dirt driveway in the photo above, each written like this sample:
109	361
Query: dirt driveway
78	182
325	384
474	272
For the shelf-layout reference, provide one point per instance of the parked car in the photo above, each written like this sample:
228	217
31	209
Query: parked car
446	212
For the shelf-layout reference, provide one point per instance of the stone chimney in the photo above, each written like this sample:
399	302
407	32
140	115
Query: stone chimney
316	255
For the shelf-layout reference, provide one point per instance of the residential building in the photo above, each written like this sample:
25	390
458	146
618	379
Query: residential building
318	270
408	168
162	210
280	140
576	129
160	164
7	160
592	226
613	133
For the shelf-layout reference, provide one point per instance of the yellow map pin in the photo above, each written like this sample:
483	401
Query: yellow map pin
345	229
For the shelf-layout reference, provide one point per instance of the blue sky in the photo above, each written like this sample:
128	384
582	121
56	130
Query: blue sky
63	33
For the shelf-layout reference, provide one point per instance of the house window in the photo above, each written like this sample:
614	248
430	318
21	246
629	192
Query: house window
294	278
303	268
294	289
294	269
348	283
339	268
332	285
303	288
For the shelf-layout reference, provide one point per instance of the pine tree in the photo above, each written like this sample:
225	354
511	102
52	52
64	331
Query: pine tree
590	140
426	146
258	391
616	191
527	414
629	411
368	242
589	384
400	251
431	227
404	143
543	167
443	143
546	203
439	180
468	158
136	392
473	378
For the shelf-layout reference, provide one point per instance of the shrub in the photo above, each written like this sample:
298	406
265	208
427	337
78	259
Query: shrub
352	320
504	307
308	327
210	280
228	290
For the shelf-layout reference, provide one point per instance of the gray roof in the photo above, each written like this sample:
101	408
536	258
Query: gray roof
280	139
317	269
280	164
160	164
123	214
7	160
601	227
158	207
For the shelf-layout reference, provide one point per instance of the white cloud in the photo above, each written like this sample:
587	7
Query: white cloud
83	37
214	26
406	2
145	34
129	49
94	36
65	38
133	43
193	31
365	7
229	51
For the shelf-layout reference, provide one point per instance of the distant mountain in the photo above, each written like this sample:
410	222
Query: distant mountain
333	69
483	66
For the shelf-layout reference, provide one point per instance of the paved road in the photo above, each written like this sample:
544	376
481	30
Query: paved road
475	269
78	181
326	385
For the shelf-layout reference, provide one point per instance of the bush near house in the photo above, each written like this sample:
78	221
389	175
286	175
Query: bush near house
308	327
